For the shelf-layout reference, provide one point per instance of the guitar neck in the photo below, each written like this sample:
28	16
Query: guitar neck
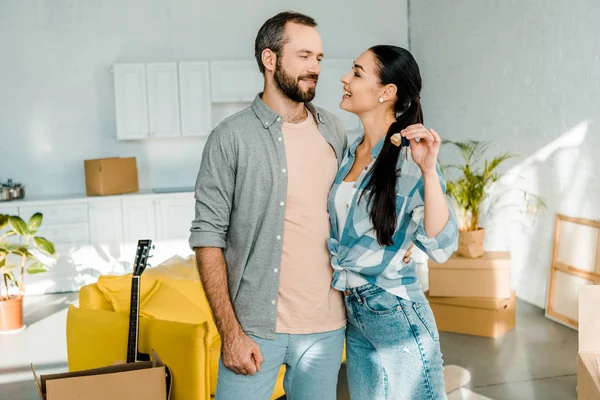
132	343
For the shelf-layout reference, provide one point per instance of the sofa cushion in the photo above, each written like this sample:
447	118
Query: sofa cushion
176	267
117	290
167	303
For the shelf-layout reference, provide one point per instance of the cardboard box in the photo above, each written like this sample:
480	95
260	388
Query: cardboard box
139	380
486	276
588	376
475	316
106	176
588	359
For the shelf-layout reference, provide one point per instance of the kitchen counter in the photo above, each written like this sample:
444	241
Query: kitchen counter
77	197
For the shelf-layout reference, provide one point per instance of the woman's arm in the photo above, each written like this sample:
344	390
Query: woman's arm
436	209
436	227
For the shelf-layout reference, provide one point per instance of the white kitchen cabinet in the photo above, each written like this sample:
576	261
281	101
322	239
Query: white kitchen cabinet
194	93
106	235
163	100
73	269
131	101
97	236
174	217
66	225
65	233
106	222
330	90
56	213
235	81
138	220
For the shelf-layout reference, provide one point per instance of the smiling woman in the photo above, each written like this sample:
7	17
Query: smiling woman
379	204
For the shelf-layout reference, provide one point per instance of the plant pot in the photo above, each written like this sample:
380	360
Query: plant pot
11	314
470	243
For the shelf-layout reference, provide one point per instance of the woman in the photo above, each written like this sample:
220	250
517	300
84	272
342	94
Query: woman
381	201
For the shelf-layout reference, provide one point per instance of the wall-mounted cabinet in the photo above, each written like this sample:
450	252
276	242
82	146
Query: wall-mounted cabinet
190	98
194	93
160	100
235	81
131	101
163	100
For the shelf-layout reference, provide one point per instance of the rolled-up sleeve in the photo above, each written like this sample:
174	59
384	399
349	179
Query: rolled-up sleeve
440	247
214	192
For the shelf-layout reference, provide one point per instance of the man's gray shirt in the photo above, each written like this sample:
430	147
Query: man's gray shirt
241	195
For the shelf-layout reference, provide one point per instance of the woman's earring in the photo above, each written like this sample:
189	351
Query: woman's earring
381	99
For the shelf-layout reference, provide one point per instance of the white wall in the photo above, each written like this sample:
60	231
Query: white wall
56	93
525	74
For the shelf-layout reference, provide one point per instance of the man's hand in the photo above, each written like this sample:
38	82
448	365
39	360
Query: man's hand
241	354
406	258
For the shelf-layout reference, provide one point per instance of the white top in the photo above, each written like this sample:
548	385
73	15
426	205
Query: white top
343	199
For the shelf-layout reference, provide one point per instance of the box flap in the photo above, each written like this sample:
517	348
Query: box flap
473	302
96	371
591	362
589	318
146	383
492	259
38	385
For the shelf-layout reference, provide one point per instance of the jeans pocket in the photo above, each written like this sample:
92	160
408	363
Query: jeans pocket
381	303
425	315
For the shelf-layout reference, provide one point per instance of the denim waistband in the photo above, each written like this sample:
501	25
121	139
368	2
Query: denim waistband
360	292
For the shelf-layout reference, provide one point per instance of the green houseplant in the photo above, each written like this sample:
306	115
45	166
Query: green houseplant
470	189
21	251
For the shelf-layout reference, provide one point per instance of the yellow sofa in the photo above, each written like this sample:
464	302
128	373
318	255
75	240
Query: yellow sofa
175	320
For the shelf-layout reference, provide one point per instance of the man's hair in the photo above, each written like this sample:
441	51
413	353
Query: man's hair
272	34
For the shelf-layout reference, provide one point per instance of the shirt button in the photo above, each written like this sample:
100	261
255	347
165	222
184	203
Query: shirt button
282	203
275	270
280	139
278	237
273	302
283	170
278	118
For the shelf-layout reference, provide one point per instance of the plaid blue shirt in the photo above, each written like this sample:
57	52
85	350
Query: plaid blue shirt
357	250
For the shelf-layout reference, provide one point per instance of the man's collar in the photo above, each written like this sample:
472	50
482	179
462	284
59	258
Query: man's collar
268	117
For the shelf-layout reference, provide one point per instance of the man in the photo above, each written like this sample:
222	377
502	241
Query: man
261	226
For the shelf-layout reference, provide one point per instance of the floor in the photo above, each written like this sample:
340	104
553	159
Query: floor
535	361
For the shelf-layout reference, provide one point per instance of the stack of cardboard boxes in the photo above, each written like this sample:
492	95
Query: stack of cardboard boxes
473	296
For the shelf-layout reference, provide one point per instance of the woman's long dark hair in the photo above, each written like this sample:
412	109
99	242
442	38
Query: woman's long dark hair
395	66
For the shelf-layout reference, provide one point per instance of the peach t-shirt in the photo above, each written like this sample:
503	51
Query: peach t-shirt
307	302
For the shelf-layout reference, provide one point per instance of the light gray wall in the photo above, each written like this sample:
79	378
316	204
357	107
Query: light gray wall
526	75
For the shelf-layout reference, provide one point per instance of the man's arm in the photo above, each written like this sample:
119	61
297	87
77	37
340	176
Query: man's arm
215	188
213	274
239	353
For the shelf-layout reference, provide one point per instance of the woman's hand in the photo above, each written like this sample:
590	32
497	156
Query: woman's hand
425	151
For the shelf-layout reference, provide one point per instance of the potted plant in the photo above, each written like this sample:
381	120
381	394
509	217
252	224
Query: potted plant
469	191
21	251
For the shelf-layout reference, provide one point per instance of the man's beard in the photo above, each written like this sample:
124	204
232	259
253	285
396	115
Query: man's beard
290	86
